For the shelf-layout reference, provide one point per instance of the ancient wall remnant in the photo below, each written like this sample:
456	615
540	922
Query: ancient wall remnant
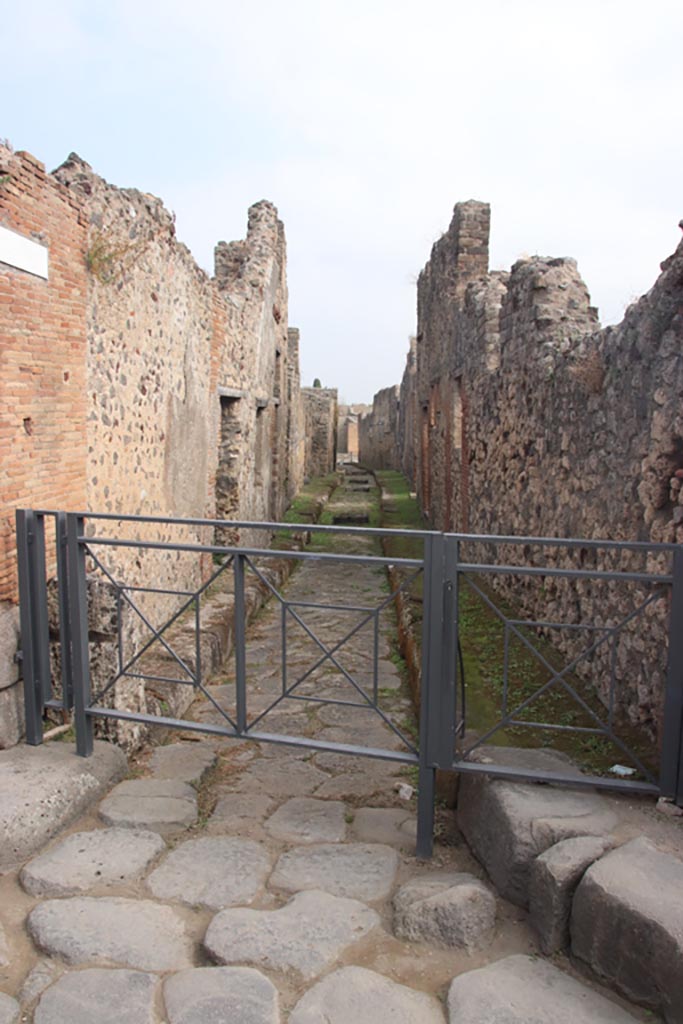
347	431
519	415
43	407
133	383
320	428
378	430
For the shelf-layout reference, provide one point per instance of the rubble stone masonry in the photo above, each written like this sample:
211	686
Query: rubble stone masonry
133	383
519	415
320	427
378	429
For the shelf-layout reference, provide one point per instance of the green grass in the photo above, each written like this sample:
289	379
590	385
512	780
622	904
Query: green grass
482	640
400	511
306	505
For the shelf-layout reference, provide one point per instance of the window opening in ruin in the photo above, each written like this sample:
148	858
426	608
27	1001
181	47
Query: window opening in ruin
457	413
229	449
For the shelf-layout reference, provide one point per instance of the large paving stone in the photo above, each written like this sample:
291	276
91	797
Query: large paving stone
281	777
627	923
98	994
554	877
213	872
213	995
241	810
524	990
354	995
162	805
360	871
354	786
307	935
9	1009
392	825
508	824
186	762
133	933
304	820
454	910
104	857
43	789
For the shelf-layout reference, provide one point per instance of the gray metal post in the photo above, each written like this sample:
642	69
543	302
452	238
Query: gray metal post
449	666
240	644
432	639
64	631
33	701
41	627
671	773
78	624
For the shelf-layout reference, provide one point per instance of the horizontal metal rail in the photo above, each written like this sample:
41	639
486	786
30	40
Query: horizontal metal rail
214	549
568	542
502	771
586	574
247	524
378	753
564	542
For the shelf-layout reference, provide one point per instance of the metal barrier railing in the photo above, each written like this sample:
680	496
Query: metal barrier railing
444	742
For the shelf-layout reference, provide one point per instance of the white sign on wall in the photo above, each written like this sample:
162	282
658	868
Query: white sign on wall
23	253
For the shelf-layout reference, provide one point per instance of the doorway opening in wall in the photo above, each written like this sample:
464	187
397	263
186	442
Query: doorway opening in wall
227	482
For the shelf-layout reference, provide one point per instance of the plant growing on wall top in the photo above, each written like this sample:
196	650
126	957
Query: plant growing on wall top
105	259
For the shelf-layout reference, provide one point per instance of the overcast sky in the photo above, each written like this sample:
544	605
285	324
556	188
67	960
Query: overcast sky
364	122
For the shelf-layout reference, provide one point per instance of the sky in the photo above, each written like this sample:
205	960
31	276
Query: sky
365	122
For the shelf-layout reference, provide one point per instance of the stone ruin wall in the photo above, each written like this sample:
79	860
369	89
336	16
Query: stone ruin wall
148	387
378	429
348	430
296	425
320	429
519	415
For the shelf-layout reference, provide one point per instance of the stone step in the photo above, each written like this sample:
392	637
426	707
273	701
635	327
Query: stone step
508	824
522	989
627	924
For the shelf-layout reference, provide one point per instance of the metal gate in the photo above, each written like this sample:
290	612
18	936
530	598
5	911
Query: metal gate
55	618
636	590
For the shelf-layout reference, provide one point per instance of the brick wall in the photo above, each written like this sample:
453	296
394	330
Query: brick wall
42	355
42	384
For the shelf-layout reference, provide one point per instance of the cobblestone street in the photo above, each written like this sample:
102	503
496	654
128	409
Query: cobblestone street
262	882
